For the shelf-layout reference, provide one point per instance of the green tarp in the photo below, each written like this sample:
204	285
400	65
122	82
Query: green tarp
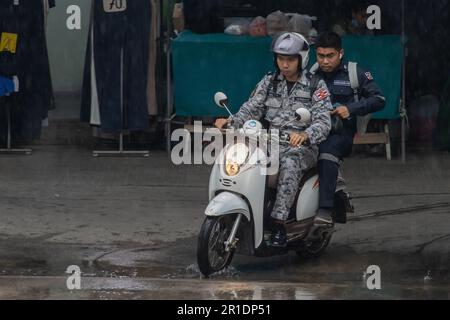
205	64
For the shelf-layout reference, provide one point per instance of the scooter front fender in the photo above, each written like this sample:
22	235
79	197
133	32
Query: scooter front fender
228	203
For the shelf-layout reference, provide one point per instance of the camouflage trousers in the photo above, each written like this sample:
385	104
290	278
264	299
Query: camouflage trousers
294	162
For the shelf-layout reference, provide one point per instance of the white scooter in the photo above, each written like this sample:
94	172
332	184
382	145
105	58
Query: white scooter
241	198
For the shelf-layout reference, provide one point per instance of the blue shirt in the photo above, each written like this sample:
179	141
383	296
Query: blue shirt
6	86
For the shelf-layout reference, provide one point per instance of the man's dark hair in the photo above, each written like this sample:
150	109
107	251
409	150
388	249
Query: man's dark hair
359	5
329	39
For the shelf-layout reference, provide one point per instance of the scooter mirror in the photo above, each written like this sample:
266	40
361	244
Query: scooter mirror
221	99
303	115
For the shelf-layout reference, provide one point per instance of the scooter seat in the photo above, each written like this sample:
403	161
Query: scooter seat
272	181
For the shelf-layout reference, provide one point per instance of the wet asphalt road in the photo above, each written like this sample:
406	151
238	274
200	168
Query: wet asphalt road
131	227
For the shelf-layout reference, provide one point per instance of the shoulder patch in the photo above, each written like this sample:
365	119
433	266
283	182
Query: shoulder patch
321	94
369	76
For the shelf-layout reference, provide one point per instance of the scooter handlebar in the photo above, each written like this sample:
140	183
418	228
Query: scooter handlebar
285	138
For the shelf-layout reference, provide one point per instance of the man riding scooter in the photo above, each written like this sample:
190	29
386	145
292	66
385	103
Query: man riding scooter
355	95
276	98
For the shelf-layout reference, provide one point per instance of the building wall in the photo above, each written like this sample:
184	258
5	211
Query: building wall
67	48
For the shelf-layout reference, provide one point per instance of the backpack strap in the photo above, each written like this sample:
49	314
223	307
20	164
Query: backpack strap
314	68
314	83
354	81
274	82
361	122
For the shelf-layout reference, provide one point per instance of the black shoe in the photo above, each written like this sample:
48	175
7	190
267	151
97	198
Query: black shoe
323	218
279	237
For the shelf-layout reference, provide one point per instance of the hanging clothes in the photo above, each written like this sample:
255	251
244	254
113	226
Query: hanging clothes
6	86
115	77
23	53
47	5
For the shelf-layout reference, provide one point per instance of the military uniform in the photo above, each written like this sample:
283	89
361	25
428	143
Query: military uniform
273	101
339	145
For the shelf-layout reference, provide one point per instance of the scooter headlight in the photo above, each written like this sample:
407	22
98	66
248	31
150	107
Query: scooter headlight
236	157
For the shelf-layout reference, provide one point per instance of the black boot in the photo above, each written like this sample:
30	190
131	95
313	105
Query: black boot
279	237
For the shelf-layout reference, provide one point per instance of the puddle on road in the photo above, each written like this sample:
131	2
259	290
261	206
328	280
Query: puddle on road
337	274
193	272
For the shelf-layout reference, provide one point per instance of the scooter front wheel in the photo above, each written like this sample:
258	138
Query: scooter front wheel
211	249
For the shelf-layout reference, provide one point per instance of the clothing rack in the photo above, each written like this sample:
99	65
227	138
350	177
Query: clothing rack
121	152
169	110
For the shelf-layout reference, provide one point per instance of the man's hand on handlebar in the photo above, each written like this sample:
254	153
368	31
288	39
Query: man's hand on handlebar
298	139
342	112
220	123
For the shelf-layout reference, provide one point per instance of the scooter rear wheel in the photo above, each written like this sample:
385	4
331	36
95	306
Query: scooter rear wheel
211	254
316	248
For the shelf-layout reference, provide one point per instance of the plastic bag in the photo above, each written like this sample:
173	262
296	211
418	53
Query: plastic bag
237	26
301	24
258	27
236	30
277	22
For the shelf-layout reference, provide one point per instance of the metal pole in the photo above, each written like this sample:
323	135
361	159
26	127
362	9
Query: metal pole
403	106
121	102
121	141
169	97
169	109
8	115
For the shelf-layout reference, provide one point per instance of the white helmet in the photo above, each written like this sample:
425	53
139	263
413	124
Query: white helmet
292	43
